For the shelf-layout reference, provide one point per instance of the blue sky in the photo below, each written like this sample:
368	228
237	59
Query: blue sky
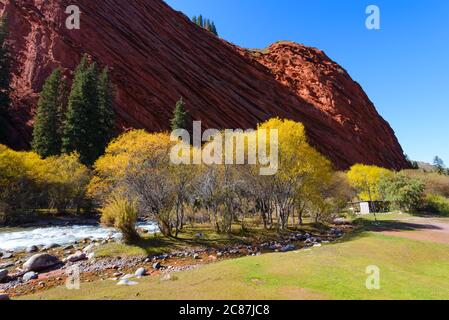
404	67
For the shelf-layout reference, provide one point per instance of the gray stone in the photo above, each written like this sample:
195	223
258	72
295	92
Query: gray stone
30	276
3	274
7	255
288	248
68	247
77	256
140	272
91	256
51	246
4	296
32	249
196	256
40	262
6	265
126	282
157	265
89	248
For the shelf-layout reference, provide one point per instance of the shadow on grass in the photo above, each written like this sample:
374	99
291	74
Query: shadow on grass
213	241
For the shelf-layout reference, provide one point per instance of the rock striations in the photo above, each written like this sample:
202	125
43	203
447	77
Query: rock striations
157	55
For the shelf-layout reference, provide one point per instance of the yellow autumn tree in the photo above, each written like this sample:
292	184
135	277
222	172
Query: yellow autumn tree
366	179
303	173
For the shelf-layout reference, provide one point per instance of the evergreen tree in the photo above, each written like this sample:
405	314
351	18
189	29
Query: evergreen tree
80	129
48	120
181	118
439	164
106	116
207	24
214	28
5	77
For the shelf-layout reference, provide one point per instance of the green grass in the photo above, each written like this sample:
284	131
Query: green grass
409	270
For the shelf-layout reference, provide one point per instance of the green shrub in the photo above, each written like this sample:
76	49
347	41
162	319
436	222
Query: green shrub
402	192
436	204
121	214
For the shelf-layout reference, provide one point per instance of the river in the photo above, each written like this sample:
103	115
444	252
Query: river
60	235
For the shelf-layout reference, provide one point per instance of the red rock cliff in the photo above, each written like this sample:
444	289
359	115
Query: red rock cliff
157	55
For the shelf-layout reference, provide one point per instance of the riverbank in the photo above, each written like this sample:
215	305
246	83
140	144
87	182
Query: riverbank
408	269
111	260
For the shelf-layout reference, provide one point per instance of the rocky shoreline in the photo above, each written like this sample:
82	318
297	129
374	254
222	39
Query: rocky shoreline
41	268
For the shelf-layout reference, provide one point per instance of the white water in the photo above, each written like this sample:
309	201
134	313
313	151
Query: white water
17	240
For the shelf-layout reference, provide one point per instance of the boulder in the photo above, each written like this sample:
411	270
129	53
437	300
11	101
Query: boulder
89	248
126	282
341	221
77	256
30	276
3	274
157	265
32	249
91	256
288	248
40	262
4	296
50	246
140	272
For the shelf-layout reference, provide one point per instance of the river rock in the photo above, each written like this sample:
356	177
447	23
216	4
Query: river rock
91	255
68	247
50	246
126	282
127	277
157	265
341	221
140	272
7	255
4	296
40	262
3	274
32	249
6	265
89	248
30	276
77	256
288	248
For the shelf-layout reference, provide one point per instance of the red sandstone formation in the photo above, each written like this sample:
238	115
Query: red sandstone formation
157	55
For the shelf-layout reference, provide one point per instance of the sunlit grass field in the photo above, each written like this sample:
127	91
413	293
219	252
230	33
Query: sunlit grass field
409	269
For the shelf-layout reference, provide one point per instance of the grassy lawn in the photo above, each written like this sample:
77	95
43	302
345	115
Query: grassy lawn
409	269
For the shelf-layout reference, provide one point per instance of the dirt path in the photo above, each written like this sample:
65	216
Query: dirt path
428	229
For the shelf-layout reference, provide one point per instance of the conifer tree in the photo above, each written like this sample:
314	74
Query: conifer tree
48	122
181	118
200	21
106	116
80	129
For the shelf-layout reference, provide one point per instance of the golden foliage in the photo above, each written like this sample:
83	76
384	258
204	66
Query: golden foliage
366	180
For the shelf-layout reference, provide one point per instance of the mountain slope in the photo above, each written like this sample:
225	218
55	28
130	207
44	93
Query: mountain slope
157	55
